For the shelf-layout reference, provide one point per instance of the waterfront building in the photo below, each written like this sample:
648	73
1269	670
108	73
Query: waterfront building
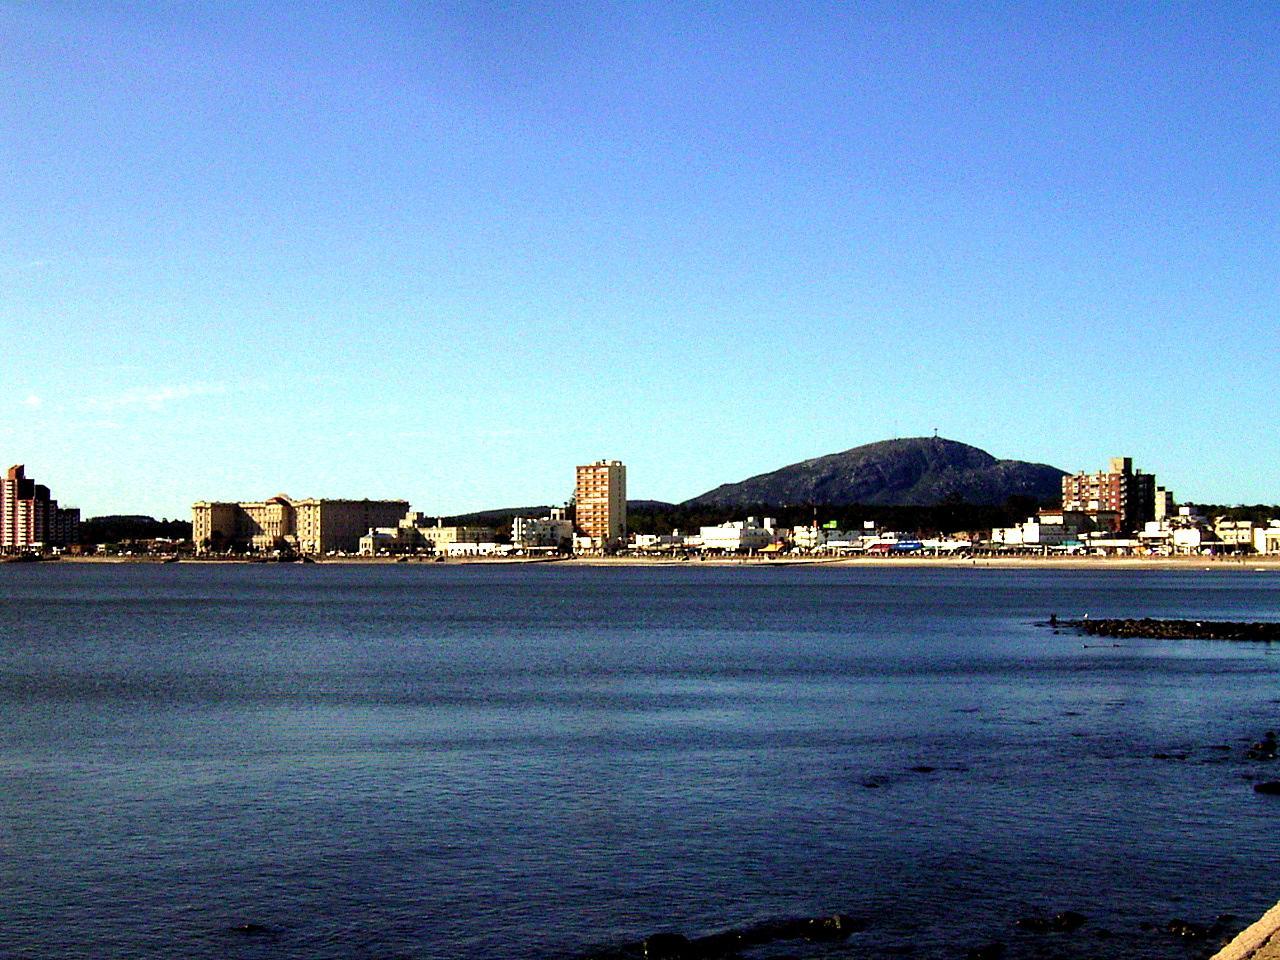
1236	536
555	530
413	534
816	539
1129	494
440	538
741	536
311	526
474	548
600	497
1267	539
402	538
660	542
30	519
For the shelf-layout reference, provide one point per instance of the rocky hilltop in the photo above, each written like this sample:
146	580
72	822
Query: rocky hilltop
916	471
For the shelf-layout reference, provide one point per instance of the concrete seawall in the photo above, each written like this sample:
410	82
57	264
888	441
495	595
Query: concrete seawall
1259	942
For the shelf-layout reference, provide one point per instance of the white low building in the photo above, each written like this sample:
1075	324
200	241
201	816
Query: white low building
1267	539
1035	532
659	541
815	539
555	530
472	549
741	536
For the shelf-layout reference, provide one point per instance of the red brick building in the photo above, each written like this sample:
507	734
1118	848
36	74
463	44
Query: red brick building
1128	494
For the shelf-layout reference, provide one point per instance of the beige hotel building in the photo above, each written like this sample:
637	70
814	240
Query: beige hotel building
309	526
600	497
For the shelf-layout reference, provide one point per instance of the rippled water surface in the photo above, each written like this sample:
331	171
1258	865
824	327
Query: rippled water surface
533	762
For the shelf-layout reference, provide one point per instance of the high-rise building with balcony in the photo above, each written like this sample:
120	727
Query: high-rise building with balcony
1121	491
600	498
30	519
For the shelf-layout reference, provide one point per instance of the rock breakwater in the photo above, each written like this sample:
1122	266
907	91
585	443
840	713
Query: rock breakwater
1146	627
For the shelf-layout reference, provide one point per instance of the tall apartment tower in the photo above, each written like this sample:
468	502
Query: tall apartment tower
1126	493
601	497
29	517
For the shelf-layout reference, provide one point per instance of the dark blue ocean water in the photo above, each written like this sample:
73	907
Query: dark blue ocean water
534	762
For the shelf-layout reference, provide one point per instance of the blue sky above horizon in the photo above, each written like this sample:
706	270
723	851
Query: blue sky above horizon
446	251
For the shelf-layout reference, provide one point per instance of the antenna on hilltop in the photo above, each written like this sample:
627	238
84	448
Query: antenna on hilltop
935	433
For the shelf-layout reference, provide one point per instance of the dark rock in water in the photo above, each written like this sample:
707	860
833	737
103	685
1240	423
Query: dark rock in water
727	944
1068	921
771	932
923	768
1065	922
714	946
1270	787
1264	749
665	946
1033	924
990	951
839	926
1186	929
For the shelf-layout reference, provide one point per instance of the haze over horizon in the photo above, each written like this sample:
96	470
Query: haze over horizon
447	253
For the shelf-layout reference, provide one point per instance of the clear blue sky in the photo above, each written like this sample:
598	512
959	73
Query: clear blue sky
445	251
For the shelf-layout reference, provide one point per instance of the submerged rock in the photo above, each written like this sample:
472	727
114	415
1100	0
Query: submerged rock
839	926
251	930
1186	929
990	951
1264	749
729	944
1066	922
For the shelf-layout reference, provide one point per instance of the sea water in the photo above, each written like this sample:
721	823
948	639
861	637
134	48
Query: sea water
544	761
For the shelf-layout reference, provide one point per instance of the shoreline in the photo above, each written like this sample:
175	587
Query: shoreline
1265	563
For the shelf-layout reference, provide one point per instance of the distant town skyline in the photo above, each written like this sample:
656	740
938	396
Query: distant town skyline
444	253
